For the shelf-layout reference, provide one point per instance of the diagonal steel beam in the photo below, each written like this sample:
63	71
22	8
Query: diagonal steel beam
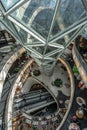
73	37
53	52
69	30
56	45
53	20
28	30
36	53
14	7
34	45
56	8
9	29
2	8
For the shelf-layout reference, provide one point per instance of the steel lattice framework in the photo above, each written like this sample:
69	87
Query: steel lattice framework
44	27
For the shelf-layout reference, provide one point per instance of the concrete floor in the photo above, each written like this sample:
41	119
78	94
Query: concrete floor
58	73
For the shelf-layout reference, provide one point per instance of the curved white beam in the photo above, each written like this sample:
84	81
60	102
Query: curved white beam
7	66
9	106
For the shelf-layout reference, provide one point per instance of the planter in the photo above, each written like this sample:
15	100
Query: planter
58	83
36	72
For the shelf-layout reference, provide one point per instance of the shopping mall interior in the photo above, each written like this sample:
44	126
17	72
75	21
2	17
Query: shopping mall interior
43	64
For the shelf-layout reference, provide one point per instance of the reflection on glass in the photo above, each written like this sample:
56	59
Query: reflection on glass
69	13
9	3
37	14
29	41
22	34
50	49
39	49
42	22
63	41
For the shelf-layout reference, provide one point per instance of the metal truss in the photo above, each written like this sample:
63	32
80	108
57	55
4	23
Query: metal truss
52	46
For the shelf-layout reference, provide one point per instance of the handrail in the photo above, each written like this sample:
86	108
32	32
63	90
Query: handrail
7	63
8	108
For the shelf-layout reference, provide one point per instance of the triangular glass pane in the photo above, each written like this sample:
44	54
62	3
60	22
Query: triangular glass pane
7	4
68	14
50	49
9	26
36	14
55	56
61	43
42	22
27	39
65	39
23	34
39	49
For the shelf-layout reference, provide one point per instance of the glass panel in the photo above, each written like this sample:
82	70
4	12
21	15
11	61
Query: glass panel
42	22
9	3
69	13
9	26
22	34
50	49
27	39
39	49
37	14
84	33
55	56
62	42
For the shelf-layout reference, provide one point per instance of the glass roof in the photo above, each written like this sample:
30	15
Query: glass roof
36	14
68	14
48	18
